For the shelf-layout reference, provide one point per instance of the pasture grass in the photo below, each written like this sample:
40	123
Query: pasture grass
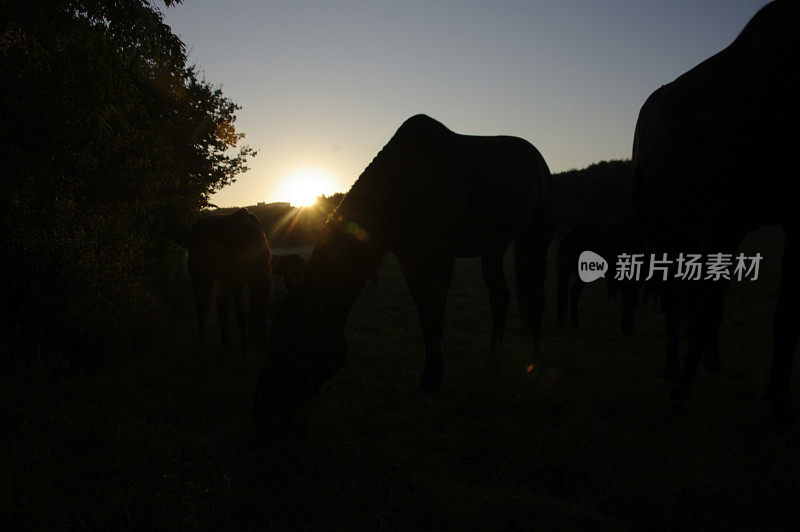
587	439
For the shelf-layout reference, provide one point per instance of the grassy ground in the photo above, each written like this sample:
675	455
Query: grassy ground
585	439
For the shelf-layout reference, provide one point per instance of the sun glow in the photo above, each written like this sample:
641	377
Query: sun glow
302	187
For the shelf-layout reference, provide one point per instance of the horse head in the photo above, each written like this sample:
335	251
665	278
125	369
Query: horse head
307	346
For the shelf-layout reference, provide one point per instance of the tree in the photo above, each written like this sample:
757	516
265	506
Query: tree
110	145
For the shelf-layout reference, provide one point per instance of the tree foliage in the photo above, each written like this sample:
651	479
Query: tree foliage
110	145
600	192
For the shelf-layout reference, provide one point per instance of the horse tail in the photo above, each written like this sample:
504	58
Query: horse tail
530	264
564	268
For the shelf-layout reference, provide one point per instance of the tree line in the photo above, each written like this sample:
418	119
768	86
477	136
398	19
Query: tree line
288	226
600	192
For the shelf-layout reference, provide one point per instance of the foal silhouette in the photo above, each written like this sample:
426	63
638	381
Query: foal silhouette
430	195
232	249
713	159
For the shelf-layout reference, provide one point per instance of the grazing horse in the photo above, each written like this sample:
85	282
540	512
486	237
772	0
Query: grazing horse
232	249
608	239
289	267
430	195
712	160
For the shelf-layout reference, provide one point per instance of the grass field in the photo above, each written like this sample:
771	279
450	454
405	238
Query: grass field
586	439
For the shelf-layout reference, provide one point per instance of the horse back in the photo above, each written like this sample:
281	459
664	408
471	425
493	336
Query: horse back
433	191
476	197
717	135
504	185
231	248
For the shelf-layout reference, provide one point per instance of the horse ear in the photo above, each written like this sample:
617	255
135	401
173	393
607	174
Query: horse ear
373	276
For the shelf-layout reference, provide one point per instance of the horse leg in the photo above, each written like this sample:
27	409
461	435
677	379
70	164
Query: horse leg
203	288
530	266
562	296
241	318
704	316
785	326
429	281
630	293
223	303
495	280
574	298
670	306
698	300
711	358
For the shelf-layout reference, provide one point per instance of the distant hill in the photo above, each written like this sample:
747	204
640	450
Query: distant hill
602	191
287	226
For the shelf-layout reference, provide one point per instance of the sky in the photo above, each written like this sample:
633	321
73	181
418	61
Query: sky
324	85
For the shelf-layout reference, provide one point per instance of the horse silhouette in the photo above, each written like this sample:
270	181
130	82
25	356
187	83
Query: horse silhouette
712	160
232	249
430	195
608	239
290	268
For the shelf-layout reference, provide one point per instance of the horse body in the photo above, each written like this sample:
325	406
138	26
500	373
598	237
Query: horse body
608	239
232	250
431	190
429	196
711	162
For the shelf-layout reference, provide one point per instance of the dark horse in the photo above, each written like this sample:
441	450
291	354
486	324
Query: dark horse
232	249
290	268
713	159
430	195
608	239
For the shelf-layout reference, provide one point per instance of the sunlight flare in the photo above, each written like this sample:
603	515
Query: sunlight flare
302	186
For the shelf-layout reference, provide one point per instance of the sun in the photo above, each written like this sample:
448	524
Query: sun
301	187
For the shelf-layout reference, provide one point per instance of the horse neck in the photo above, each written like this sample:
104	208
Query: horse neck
340	266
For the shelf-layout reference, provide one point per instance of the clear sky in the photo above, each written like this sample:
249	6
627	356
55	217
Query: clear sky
324	85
